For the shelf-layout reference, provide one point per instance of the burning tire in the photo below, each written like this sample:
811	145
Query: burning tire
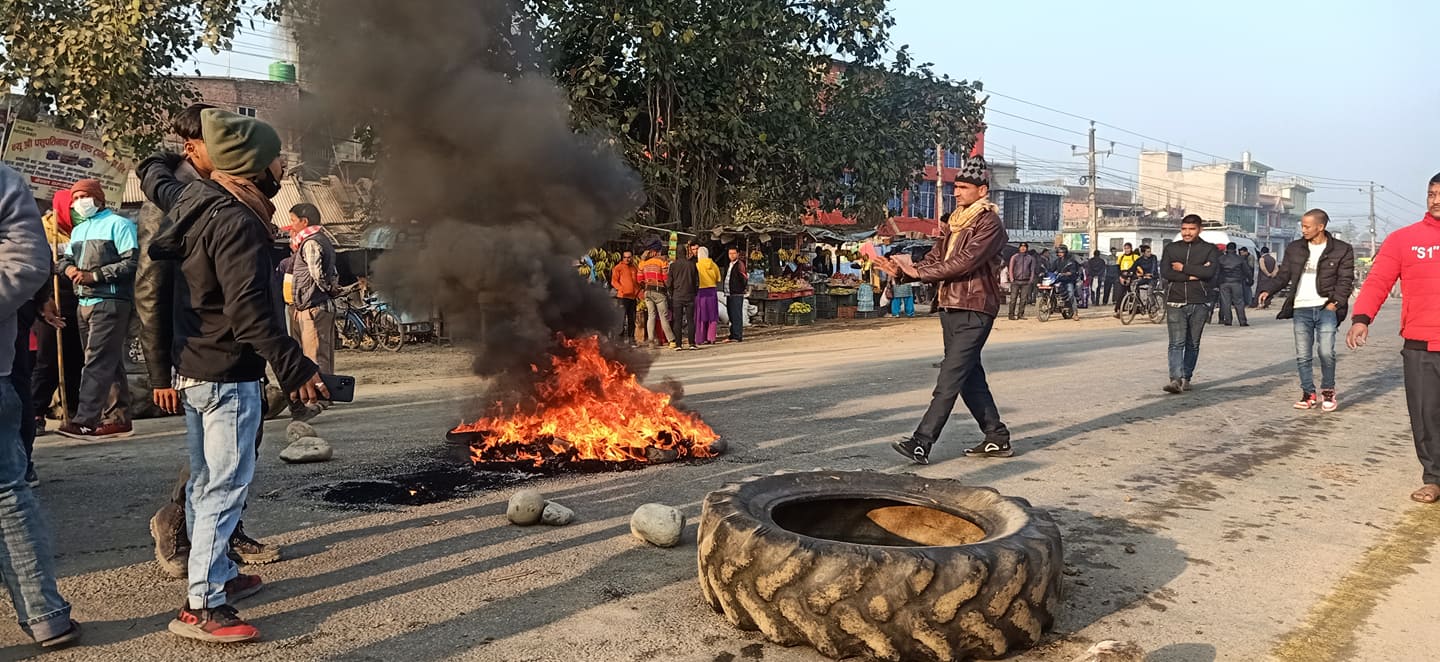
895	567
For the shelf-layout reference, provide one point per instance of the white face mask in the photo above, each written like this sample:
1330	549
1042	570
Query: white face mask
85	207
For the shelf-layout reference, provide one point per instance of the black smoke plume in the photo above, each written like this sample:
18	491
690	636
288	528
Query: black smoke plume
477	153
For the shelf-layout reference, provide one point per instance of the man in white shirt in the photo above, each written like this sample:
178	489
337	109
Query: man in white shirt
1320	271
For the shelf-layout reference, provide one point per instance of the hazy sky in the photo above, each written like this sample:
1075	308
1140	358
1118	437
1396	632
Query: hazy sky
1339	90
1325	89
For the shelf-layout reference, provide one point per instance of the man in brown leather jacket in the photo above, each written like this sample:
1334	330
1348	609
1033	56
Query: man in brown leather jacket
965	269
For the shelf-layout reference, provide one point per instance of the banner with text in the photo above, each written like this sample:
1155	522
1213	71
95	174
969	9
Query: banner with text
52	160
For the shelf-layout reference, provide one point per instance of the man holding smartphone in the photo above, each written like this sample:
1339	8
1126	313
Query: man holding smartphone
226	331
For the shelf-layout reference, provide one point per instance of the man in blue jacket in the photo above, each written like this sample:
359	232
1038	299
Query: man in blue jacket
100	260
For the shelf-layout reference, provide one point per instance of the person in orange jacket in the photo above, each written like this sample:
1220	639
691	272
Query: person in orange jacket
624	279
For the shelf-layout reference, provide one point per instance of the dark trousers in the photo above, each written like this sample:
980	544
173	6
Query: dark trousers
1019	295
20	374
104	386
1422	394
1232	296
1104	290
683	321
1186	324
627	332
735	308
962	376
45	379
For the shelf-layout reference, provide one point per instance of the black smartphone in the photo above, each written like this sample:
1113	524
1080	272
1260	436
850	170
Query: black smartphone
341	387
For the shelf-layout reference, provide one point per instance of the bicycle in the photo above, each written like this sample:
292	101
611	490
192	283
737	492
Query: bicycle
1051	299
351	325
1150	302
384	325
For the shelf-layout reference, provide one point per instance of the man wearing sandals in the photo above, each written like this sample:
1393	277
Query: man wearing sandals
26	559
1412	255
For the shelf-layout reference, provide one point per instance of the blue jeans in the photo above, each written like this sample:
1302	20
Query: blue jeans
907	303
26	559
1186	323
222	424
1315	326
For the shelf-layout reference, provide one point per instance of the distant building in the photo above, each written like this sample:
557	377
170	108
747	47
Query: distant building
1122	220
1240	195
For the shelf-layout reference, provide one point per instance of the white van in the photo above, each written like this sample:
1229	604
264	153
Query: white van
1216	237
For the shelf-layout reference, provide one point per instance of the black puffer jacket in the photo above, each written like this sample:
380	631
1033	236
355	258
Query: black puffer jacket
155	289
1334	278
225	324
1197	259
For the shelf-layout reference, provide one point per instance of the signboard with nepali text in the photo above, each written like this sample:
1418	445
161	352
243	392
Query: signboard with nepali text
52	160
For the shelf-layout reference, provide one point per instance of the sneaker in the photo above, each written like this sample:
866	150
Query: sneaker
912	449
172	546
1327	401
1175	386
1306	401
990	449
76	431
217	625
40	426
114	431
242	586
247	550
675	346
1185	385
65	639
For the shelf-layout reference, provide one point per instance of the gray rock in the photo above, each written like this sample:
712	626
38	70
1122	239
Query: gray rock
657	524
296	431
556	514
526	507
307	449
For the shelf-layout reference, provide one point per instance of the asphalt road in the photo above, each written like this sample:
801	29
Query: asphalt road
1218	525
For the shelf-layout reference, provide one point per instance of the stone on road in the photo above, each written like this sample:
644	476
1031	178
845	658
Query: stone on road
658	524
306	450
556	514
526	507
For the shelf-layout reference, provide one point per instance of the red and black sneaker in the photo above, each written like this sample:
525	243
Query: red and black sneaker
114	430
216	625
1307	401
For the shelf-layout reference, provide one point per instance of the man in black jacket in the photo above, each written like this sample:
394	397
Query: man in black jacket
1187	266
1235	276
684	283
225	331
154	292
1320	271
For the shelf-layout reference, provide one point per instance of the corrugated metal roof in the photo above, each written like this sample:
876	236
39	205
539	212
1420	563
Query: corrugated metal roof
1039	189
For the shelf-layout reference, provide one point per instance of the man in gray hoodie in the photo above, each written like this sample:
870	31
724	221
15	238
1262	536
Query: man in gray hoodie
25	557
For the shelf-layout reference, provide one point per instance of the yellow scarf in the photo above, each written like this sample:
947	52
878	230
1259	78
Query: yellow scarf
962	218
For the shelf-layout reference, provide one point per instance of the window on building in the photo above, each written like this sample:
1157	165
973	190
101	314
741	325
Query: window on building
1045	212
895	205
922	199
929	156
952	159
246	111
1012	210
949	197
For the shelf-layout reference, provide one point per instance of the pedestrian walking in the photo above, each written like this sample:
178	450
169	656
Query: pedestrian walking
737	281
316	281
26	558
964	267
1411	255
654	278
100	261
707	299
1269	268
624	279
1024	270
902	299
1188	265
682	286
1319	269
1095	271
1232	286
223	309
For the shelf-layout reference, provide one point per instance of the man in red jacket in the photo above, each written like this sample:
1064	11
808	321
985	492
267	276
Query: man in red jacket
1412	255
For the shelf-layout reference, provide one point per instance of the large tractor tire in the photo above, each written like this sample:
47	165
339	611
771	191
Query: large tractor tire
892	567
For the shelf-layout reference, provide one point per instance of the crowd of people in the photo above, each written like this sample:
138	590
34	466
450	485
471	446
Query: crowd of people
681	295
216	313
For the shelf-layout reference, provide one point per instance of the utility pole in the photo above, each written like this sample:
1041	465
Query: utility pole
1094	209
1372	219
939	186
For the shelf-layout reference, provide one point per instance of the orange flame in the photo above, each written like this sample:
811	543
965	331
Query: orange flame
589	408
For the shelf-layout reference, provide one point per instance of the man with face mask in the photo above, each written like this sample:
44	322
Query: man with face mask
100	260
225	314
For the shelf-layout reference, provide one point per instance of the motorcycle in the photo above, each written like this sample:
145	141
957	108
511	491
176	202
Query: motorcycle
1053	297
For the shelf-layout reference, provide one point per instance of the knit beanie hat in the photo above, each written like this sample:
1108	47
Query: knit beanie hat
91	187
974	172
238	145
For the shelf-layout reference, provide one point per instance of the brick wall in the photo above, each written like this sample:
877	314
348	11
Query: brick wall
274	102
